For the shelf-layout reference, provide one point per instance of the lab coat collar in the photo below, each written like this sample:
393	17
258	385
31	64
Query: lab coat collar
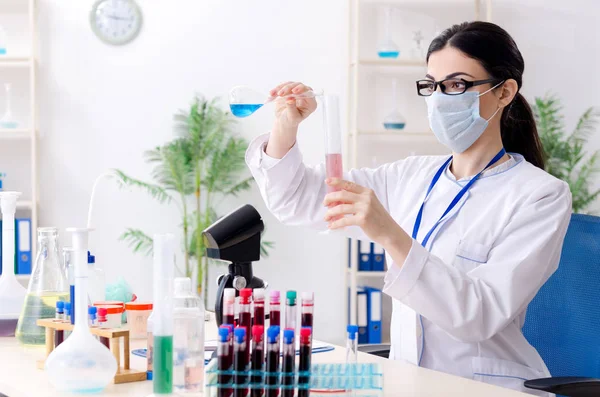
514	159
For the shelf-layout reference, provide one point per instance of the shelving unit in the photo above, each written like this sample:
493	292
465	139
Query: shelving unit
19	21
369	75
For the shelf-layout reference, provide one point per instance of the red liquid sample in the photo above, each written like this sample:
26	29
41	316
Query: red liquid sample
334	169
259	315
258	359
246	322
229	319
275	318
307	320
59	337
304	366
225	362
240	378
288	375
272	368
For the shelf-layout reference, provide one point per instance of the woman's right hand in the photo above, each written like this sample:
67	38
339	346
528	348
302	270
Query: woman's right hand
289	113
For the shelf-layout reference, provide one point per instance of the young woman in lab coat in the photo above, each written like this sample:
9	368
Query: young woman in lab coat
470	238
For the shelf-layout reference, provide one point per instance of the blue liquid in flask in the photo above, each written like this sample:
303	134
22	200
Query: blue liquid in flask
388	54
394	126
244	109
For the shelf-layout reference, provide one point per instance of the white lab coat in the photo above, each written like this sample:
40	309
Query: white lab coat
459	304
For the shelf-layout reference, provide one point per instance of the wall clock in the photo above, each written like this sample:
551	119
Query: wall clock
116	22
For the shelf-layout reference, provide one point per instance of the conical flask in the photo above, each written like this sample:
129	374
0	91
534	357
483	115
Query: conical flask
47	285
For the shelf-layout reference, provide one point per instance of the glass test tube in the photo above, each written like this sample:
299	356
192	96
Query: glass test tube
225	362
164	254
259	306
240	362
333	137
272	376
257	360
290	310
102	313
68	266
229	306
289	363
308	302
304	364
245	317
275	309
59	335
352	344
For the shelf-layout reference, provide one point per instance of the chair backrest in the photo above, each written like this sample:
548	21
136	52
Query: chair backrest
563	320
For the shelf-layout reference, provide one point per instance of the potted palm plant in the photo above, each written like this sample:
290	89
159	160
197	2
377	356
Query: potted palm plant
566	157
195	171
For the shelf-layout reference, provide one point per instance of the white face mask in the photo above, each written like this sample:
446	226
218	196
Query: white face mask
455	119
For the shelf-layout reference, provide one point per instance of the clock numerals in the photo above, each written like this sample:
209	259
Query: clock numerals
116	21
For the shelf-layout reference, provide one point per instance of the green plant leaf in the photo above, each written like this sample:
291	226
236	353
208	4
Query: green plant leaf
155	191
138	241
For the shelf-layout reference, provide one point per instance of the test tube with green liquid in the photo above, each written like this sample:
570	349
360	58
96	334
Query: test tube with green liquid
164	255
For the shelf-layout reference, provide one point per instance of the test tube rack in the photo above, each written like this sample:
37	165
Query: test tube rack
124	374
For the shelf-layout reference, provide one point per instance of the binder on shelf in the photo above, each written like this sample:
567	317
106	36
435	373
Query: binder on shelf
0	247
377	258
23	243
373	315
364	256
361	315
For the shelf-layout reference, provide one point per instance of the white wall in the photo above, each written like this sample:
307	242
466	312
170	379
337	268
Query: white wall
102	106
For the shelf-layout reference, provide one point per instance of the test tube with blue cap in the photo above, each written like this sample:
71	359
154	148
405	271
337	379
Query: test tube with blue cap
224	362
289	363
272	365
352	344
240	363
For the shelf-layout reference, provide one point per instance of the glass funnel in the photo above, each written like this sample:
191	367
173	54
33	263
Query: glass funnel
394	120
387	48
47	285
244	101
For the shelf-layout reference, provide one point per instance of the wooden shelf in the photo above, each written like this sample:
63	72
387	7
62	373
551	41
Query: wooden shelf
15	134
25	205
15	62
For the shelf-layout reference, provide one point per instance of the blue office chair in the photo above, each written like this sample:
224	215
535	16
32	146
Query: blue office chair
563	320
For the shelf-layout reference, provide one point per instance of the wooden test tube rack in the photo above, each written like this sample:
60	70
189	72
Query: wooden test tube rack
124	374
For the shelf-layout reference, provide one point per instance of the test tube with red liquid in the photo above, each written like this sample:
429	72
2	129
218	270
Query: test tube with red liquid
272	365
259	306
240	362
289	362
304	364
308	303
275	308
229	306
333	140
245	317
257	361
224	362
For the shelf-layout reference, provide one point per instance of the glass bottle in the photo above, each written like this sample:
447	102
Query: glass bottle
394	120
3	40
7	120
188	338
47	285
387	48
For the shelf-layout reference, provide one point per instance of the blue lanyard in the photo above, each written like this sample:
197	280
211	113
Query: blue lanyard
460	194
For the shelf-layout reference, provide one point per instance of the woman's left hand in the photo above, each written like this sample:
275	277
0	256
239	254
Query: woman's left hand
355	205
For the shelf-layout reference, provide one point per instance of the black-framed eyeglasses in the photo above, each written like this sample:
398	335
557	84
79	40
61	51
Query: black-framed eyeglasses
452	86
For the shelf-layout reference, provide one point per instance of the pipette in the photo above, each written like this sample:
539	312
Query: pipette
244	101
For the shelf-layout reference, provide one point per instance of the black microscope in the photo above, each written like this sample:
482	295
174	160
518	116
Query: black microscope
235	238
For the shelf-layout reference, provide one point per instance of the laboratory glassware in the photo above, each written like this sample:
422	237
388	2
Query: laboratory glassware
162	327
244	101
188	338
275	308
257	361
333	142
225	362
12	293
289	364
352	344
229	306
97	280
272	362
81	364
245	316
394	120
290	310
47	285
3	40
258	295
7	120
307	309
241	360
304	362
387	48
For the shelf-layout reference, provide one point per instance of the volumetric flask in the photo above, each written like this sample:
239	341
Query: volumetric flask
47	285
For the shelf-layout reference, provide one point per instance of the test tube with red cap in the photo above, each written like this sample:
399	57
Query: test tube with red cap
257	360
224	361
304	364
102	313
245	317
229	306
275	309
259	306
308	302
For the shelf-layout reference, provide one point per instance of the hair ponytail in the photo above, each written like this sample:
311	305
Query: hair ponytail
519	132
498	53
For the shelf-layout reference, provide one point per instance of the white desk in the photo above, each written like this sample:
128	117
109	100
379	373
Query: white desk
20	378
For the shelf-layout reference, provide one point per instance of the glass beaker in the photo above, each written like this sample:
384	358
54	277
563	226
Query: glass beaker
47	285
